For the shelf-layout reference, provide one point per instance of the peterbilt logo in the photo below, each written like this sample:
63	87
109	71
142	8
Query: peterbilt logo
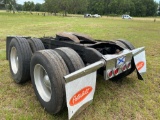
80	95
140	65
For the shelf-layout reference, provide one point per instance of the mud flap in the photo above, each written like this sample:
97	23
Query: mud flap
79	93
140	61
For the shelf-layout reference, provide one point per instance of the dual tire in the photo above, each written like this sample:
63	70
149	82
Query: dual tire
46	69
20	53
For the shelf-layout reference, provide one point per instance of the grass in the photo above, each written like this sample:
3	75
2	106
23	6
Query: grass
126	99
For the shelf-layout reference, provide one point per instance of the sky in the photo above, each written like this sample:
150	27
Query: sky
42	1
157	1
35	1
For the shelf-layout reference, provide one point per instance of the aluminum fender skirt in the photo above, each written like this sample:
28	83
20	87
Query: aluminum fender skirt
79	93
140	61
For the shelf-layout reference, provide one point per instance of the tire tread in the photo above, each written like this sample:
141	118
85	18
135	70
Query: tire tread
23	49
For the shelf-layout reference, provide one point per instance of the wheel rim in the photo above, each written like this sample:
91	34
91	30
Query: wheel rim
14	60
42	82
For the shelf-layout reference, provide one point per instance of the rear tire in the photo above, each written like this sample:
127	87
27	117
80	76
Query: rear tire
127	44
47	72
35	44
71	58
19	59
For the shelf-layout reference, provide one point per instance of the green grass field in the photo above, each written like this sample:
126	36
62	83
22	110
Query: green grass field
127	99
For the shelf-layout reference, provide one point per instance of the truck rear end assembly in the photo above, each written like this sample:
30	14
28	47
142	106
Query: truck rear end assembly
63	69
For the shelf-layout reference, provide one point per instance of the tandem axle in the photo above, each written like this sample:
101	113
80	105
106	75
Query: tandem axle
63	69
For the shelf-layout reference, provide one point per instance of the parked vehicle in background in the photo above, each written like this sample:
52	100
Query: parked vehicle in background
96	15
126	17
87	15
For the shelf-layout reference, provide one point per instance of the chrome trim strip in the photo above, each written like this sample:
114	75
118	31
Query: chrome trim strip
84	71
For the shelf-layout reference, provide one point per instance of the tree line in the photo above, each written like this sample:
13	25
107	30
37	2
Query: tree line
102	7
132	7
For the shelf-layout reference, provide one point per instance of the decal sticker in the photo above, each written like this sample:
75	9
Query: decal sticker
140	65
121	60
80	95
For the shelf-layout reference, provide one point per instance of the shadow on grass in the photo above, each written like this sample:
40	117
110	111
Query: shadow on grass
111	90
129	80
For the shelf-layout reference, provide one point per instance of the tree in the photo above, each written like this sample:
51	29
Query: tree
38	7
77	6
113	6
9	5
64	6
52	6
28	6
106	6
151	7
42	9
158	9
19	7
2	5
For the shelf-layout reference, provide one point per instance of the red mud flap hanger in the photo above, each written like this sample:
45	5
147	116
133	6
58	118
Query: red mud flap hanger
80	85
